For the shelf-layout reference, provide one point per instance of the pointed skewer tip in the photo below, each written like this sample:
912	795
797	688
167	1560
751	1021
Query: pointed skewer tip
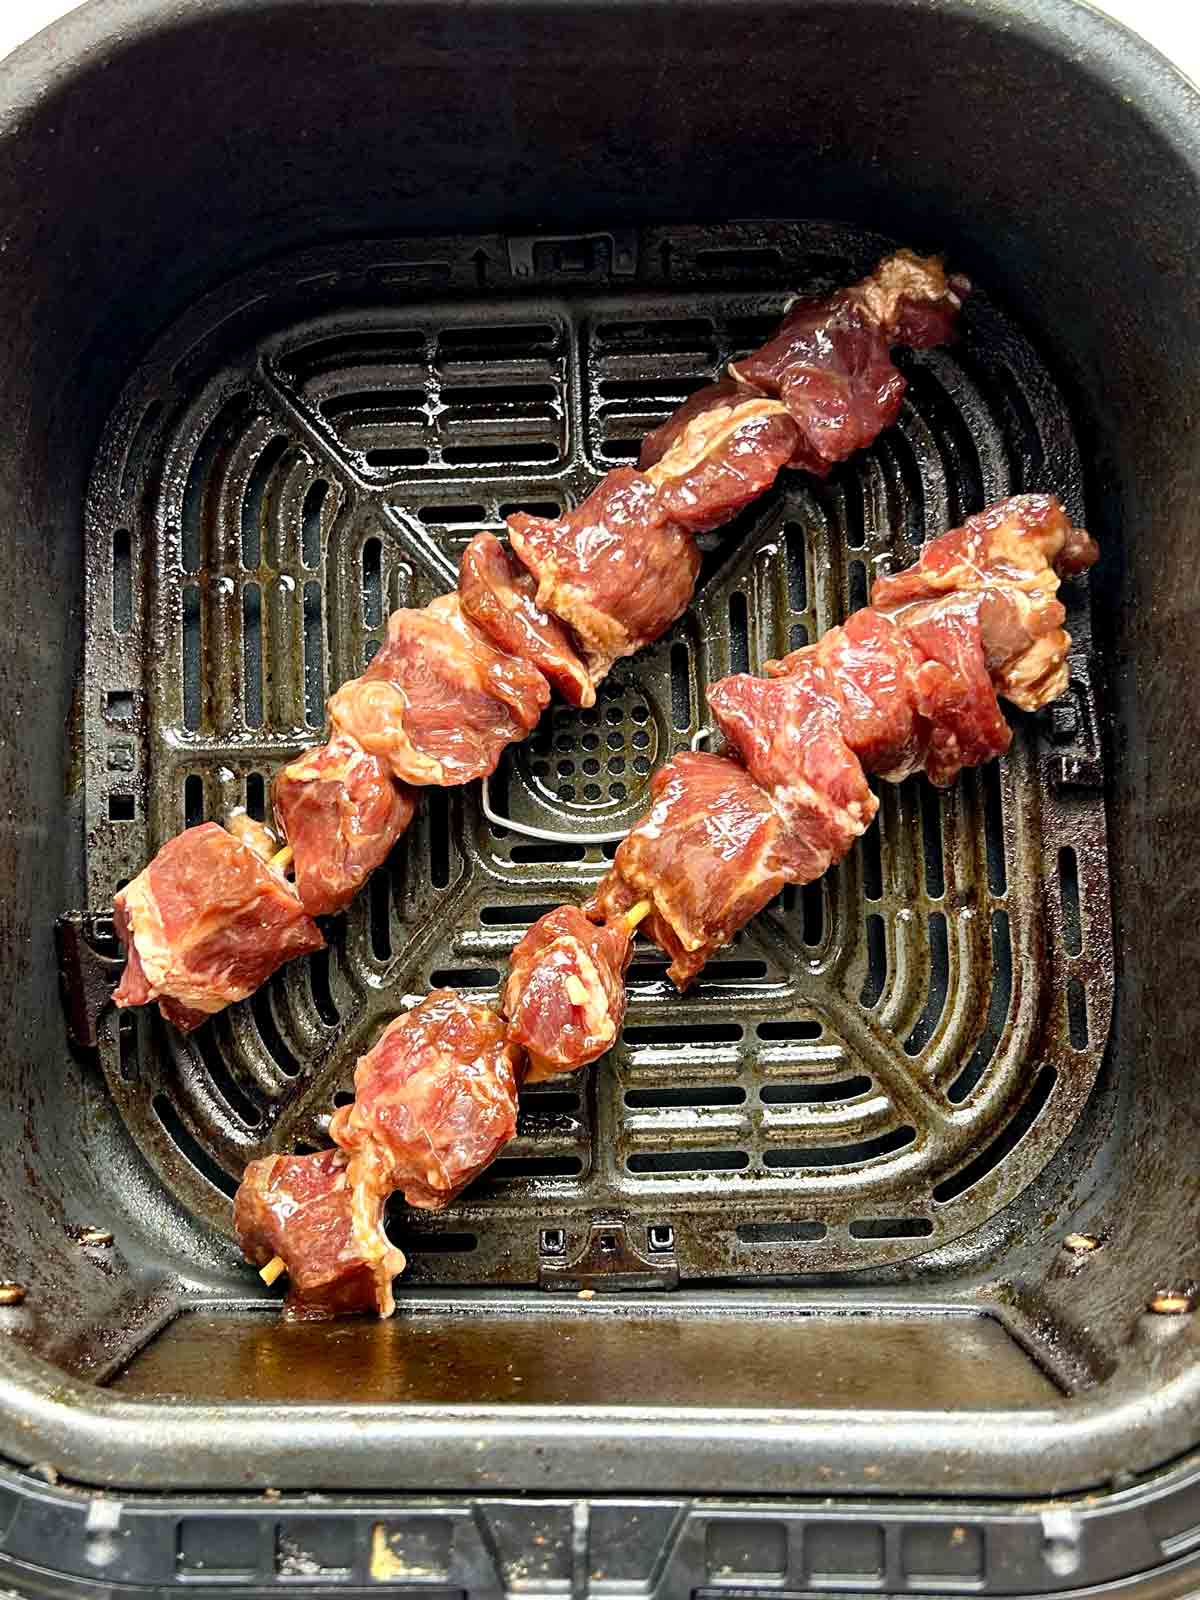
638	913
275	1268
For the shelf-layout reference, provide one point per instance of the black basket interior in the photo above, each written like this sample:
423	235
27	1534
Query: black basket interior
886	1058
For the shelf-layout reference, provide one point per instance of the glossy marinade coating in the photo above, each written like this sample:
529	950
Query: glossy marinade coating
617	570
721	450
205	924
341	811
439	703
498	595
710	853
564	998
830	361
1004	566
435	1101
330	1235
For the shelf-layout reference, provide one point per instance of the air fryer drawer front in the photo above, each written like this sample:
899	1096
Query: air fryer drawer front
491	1548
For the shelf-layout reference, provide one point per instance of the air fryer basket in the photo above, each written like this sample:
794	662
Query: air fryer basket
902	1201
883	1061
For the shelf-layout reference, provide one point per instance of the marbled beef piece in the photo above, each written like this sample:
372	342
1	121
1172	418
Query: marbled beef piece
722	449
341	811
1005	564
788	733
955	693
435	1101
205	924
830	359
565	995
439	703
910	686
919	699
871	667
616	570
329	1235
916	678
832	367
497	593
710	853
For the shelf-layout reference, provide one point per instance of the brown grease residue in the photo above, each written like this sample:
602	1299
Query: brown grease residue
585	1356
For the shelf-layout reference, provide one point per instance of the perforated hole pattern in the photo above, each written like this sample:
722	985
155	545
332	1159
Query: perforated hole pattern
884	1058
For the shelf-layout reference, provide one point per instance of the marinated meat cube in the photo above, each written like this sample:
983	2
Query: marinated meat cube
1004	563
718	396
830	360
832	367
918	698
955	694
565	994
341	811
871	665
205	924
439	703
616	570
711	852
912	299
435	1101
717	453
329	1234
788	733
1027	540
498	595
915	678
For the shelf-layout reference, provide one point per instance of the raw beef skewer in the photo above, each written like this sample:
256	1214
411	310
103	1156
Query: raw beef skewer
907	685
435	1103
463	677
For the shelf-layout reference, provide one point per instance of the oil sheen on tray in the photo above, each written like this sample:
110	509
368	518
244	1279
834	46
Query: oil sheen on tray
758	1358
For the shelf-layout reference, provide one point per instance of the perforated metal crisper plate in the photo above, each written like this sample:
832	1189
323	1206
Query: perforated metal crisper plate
881	1061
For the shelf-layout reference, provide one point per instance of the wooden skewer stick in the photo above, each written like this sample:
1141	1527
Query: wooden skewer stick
275	1268
638	913
282	859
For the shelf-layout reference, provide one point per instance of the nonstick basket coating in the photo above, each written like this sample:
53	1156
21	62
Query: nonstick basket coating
884	1059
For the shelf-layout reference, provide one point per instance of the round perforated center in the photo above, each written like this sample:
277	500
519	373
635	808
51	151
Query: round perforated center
601	757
